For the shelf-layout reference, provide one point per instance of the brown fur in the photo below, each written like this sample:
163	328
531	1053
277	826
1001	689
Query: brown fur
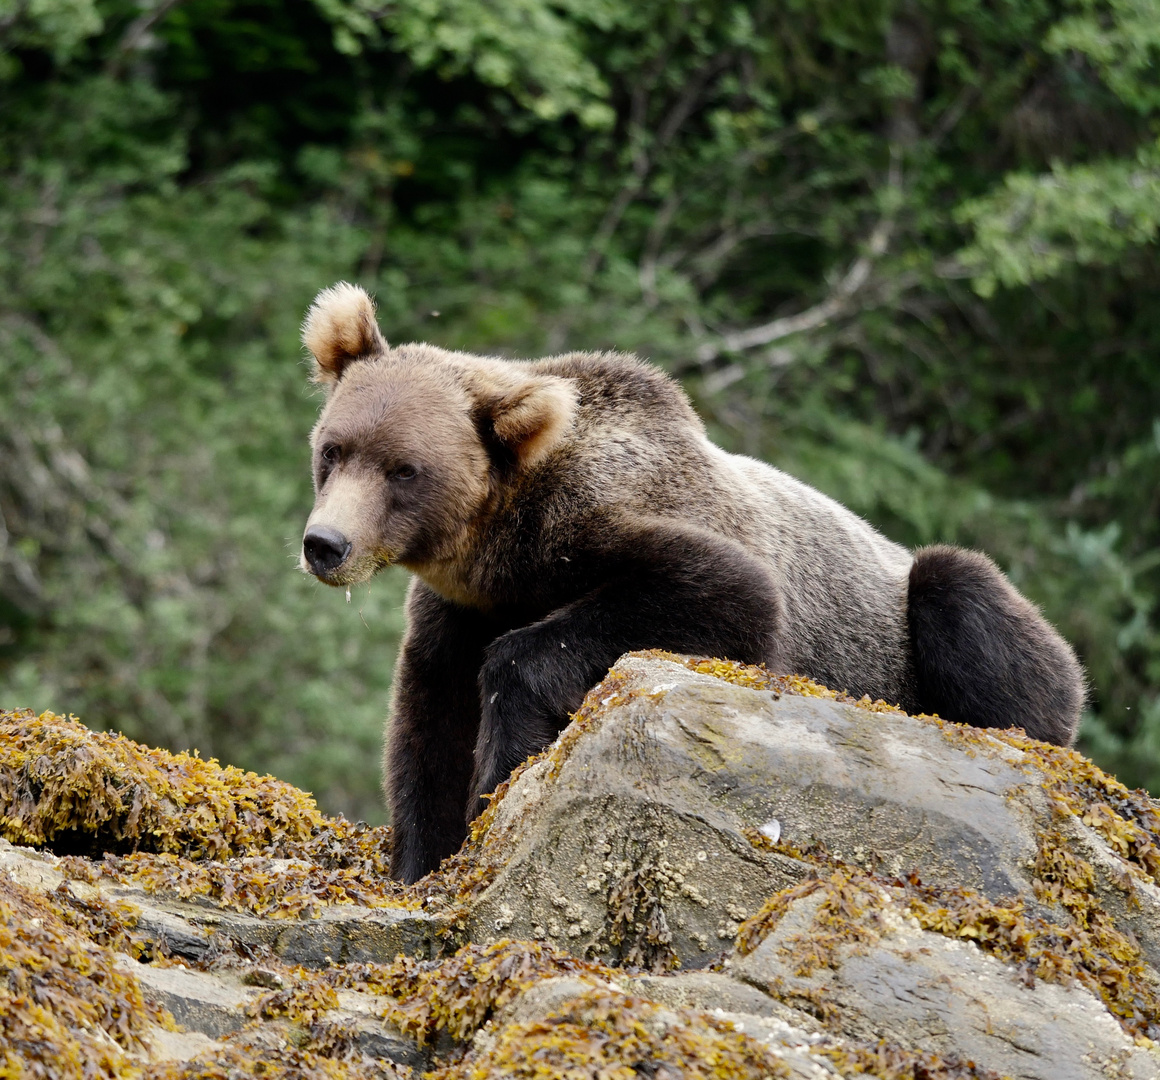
982	653
559	512
340	326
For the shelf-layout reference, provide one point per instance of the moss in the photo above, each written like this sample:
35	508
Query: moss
78	791
66	1008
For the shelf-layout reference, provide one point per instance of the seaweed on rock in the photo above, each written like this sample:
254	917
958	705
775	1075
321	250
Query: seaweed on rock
78	791
67	1010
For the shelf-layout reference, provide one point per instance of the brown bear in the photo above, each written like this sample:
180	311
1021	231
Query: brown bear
557	513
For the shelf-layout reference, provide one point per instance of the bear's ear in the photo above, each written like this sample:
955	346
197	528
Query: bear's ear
340	327
532	419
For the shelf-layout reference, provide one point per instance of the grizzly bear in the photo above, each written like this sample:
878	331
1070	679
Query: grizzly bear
557	513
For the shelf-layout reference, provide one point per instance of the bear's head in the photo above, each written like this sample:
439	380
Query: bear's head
415	446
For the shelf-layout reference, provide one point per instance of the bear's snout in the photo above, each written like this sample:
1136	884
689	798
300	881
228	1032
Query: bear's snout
325	549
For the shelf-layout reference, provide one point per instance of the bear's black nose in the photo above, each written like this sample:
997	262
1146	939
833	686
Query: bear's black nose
325	549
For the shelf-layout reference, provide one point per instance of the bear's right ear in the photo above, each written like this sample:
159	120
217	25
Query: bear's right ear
340	327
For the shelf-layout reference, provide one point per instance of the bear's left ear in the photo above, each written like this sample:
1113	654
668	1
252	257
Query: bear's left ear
532	419
340	327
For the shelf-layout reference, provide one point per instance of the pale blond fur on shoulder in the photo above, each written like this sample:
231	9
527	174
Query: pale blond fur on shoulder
339	327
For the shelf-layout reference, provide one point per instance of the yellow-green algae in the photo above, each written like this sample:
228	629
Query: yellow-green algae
250	1054
758	677
616	1037
83	792
180	824
276	889
342	863
599	1032
458	995
1096	955
303	1001
66	1010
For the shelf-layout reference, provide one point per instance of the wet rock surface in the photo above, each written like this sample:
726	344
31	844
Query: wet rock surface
713	872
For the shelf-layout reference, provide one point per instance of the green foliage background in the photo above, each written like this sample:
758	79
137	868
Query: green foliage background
904	250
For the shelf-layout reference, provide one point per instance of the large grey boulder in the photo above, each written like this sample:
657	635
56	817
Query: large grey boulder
708	858
914	988
646	835
652	813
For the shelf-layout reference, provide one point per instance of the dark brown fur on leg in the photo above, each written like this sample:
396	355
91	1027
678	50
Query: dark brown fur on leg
983	654
665	586
434	724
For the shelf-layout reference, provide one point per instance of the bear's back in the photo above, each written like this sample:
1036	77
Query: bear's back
636	440
844	584
639	447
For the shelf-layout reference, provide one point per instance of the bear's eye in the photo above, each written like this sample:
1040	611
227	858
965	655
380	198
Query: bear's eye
331	453
404	472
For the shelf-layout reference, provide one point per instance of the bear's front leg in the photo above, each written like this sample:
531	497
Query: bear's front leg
432	731
664	586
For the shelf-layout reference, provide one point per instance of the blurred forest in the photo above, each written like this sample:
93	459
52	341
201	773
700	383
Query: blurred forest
905	250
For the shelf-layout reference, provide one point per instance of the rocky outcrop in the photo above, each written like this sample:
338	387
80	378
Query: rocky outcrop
713	872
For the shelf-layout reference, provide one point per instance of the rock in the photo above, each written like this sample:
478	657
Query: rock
210	1004
167	1046
928	991
710	990
548	1005
655	809
649	810
876	894
347	933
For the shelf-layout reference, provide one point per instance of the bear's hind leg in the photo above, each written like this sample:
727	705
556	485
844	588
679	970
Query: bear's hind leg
983	654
